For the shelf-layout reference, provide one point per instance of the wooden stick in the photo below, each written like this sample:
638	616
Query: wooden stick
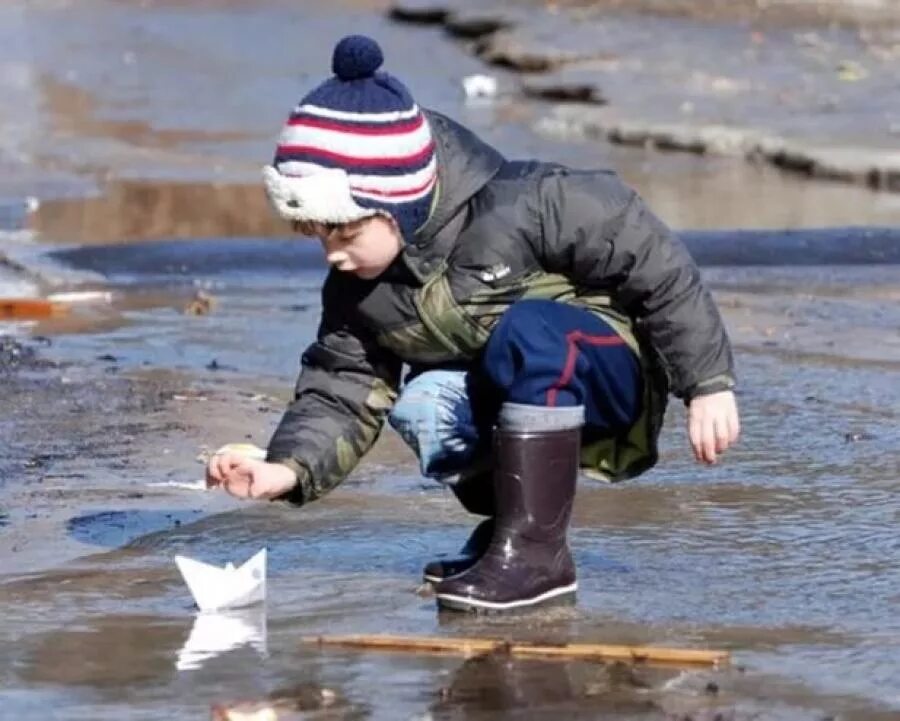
29	308
473	646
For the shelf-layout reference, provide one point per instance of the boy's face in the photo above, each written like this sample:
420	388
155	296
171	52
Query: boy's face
364	247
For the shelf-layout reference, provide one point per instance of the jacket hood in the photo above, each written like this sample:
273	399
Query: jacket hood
465	165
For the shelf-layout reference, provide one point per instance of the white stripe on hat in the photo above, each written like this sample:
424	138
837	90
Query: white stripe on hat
390	117
381	183
357	145
395	183
398	198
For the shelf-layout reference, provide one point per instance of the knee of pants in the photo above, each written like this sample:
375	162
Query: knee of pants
433	417
525	337
423	402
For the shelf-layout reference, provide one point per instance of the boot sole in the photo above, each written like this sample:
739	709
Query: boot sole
465	603
434	580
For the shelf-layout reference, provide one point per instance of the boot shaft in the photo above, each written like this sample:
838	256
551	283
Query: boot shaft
534	481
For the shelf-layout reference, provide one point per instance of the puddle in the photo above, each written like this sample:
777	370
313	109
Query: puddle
115	529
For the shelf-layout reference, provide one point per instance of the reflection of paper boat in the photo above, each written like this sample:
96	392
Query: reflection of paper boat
215	588
214	633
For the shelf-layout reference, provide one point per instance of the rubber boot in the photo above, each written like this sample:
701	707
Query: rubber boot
473	549
476	494
527	562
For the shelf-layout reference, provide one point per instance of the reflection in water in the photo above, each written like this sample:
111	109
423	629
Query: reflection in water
215	633
130	210
485	685
502	683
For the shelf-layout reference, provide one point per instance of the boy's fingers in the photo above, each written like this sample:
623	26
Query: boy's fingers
694	436
221	466
709	441
724	436
211	478
729	428
238	489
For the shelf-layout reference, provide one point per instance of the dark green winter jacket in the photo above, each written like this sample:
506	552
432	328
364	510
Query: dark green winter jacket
501	231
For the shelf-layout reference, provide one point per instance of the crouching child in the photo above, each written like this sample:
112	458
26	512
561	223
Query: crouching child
544	312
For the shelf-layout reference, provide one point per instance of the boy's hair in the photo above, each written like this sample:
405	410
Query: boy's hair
356	146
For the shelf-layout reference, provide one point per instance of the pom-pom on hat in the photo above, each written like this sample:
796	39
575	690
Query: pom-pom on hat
356	146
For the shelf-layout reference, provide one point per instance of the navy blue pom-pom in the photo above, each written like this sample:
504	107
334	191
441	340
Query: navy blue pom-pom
356	57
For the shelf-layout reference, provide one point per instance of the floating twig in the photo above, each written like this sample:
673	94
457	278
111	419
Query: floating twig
651	655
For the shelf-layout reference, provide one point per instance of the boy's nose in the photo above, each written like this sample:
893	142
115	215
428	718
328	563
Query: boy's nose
336	257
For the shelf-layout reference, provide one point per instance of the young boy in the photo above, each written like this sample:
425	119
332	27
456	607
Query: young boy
540	309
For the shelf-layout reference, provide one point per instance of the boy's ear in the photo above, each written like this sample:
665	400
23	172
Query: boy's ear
393	223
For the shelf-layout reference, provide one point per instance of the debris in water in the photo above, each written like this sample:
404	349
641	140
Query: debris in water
292	704
480	87
198	485
201	304
29	308
851	71
419	13
214	365
81	296
853	437
564	92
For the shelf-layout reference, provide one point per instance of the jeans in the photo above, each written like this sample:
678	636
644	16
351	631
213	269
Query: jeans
435	417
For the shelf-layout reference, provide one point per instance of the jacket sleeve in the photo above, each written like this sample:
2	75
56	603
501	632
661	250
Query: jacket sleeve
599	233
346	386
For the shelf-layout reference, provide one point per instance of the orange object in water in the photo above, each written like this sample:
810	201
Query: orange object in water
29	308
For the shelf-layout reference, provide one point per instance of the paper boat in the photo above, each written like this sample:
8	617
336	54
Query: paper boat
215	633
215	588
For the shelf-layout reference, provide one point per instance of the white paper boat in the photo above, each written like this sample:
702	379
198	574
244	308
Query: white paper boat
214	633
215	588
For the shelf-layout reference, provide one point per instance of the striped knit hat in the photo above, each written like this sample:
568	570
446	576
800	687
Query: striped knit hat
356	146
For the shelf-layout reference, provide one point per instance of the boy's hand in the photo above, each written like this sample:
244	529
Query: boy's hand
713	424
244	477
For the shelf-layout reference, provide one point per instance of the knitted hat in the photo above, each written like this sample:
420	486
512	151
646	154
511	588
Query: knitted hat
356	146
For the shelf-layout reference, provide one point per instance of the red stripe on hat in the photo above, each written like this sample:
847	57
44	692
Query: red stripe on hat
401	160
351	129
394	193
